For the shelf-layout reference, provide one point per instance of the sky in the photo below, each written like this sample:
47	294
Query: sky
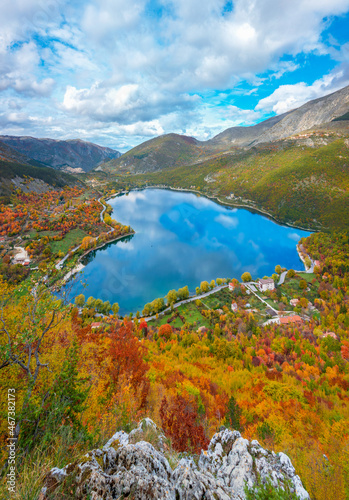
119	72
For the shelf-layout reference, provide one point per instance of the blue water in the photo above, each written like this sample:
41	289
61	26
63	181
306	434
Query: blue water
182	239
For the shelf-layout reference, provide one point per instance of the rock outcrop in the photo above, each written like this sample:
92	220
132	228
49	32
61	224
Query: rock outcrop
128	466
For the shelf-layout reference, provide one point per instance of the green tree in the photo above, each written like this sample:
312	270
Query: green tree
91	302
278	269
61	406
204	286
212	284
80	300
233	415
219	281
246	276
267	491
115	308
106	307
99	304
147	310
303	285
171	297
40	313
197	290
183	293
157	305
291	273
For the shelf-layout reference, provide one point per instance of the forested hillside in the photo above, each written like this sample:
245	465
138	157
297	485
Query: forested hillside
302	181
286	385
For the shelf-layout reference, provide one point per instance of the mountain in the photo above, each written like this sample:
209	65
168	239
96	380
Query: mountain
71	156
166	151
173	150
19	171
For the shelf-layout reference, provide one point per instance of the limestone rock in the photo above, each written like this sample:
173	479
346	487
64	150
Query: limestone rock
129	467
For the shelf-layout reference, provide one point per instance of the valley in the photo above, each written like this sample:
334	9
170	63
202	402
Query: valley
193	307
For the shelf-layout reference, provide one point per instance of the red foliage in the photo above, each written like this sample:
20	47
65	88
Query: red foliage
165	331
179	420
127	354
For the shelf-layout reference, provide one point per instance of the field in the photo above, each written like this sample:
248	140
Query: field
218	300
72	238
291	289
189	312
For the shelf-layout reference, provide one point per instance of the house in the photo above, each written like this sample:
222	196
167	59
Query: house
21	257
330	334
234	307
290	320
266	284
231	286
294	302
96	325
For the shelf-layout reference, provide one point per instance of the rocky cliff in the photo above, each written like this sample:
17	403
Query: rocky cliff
129	466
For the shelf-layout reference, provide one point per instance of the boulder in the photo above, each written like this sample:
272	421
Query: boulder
129	466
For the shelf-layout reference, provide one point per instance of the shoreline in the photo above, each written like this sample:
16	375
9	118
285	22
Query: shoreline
104	244
220	202
79	266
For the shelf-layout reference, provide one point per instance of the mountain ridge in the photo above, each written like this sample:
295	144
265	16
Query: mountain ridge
158	153
73	155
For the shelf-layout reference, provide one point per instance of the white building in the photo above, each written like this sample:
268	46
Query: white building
21	257
266	284
234	307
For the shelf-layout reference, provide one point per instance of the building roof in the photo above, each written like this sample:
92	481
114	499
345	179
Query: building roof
290	319
266	281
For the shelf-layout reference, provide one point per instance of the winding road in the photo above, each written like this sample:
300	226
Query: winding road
186	301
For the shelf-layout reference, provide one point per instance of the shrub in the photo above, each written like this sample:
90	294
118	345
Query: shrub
268	492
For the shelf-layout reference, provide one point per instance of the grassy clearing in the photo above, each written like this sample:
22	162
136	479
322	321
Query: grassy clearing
308	277
219	299
291	289
189	312
71	239
48	233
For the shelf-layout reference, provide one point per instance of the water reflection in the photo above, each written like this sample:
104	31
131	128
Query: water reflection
182	239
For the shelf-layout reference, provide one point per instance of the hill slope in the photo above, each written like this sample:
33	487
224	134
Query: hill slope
173	150
70	155
18	170
303	180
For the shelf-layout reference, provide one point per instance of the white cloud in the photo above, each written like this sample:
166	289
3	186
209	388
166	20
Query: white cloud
294	236
226	221
134	68
17	71
288	97
105	18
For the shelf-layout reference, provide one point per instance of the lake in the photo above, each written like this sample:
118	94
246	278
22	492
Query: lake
182	239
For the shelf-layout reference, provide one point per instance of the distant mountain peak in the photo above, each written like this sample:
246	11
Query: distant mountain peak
61	154
174	150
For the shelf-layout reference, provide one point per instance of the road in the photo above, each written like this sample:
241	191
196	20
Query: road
186	301
250	285
59	264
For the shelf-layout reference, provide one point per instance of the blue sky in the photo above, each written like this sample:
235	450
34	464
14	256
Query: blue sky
118	72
